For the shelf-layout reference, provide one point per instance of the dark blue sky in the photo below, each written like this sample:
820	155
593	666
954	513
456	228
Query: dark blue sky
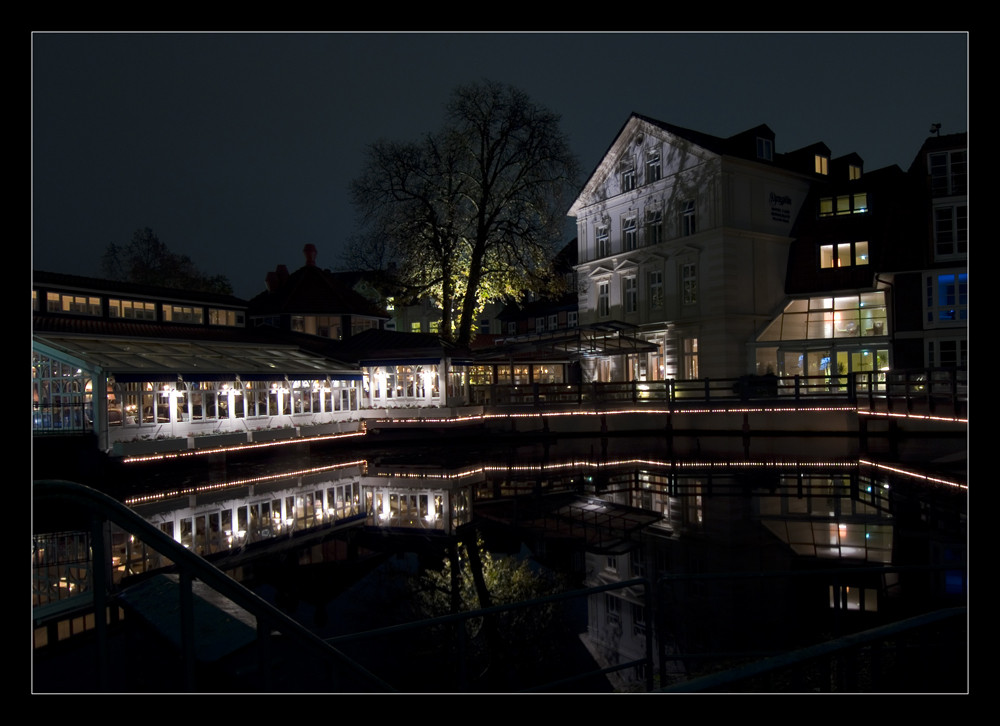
237	149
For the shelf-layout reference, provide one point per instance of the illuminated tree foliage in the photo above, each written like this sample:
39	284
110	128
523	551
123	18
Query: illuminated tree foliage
470	214
145	260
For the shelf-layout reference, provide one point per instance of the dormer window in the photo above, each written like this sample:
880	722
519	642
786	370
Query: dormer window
822	164
853	172
765	149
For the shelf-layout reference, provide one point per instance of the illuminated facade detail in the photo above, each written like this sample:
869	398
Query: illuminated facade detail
728	215
826	336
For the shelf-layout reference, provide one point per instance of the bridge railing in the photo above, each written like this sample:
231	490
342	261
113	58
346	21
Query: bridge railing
101	593
895	390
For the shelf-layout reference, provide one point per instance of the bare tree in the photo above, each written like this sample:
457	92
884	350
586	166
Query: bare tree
473	213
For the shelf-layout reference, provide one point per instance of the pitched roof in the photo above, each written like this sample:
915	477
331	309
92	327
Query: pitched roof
312	290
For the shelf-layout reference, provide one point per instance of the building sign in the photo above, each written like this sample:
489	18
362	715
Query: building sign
781	208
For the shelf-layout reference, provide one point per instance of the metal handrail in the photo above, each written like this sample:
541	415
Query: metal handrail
191	566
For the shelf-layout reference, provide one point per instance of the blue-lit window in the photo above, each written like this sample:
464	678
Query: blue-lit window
948	298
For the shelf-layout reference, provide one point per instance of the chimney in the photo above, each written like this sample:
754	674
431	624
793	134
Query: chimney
310	252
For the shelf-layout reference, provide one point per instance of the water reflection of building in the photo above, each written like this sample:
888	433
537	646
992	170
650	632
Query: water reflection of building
728	561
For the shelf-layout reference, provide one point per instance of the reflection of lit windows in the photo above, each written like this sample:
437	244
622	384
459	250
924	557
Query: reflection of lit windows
845	597
638	619
843	204
612	606
843	254
951	231
822	164
948	298
630	233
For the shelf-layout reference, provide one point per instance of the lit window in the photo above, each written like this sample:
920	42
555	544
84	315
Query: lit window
630	233
188	314
853	172
415	327
218	316
653	169
603	241
822	165
819	318
843	204
951	231
571	318
688	225
844	254
603	300
553	322
948	298
76	304
654	226
765	149
131	309
655	278
630	294
689	358
689	284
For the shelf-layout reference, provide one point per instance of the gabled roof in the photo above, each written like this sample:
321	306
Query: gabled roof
314	291
742	144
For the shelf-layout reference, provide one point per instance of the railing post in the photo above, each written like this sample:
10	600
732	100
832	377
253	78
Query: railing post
187	628
99	585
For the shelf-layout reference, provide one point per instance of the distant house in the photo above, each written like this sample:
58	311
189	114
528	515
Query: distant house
314	301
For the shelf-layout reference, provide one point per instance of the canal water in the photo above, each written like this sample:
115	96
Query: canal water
685	557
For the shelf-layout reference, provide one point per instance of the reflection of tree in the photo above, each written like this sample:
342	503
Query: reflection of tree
506	650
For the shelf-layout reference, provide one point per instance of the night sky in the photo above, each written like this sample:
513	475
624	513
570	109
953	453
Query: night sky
237	149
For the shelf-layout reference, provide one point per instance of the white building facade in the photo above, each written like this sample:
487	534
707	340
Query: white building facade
685	236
